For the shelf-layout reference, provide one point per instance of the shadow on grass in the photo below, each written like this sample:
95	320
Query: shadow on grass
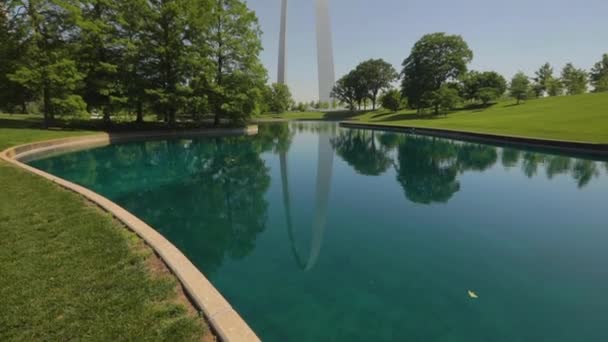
29	122
343	114
405	117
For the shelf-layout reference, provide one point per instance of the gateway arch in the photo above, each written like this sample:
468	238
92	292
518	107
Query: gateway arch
325	53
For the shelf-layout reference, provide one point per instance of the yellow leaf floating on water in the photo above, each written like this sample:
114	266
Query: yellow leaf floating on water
472	294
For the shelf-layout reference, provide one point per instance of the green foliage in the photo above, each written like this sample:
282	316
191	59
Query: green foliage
487	95
574	80
278	98
173	57
45	67
435	59
599	75
520	86
474	82
236	76
301	107
375	75
99	53
345	90
391	100
444	99
555	87
543	79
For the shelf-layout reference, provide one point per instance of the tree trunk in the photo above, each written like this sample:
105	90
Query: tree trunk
140	112
46	103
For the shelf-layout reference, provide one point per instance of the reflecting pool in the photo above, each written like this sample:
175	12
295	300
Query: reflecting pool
318	233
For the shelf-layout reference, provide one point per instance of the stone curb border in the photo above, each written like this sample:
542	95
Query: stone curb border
224	320
591	149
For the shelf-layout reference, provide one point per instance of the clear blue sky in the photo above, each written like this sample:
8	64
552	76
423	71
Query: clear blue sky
505	35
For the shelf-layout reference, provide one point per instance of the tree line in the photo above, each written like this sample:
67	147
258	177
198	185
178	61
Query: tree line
435	78
172	58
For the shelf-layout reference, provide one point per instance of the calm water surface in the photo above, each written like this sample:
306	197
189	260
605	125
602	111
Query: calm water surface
316	233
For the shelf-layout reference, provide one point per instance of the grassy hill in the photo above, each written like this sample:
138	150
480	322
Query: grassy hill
575	118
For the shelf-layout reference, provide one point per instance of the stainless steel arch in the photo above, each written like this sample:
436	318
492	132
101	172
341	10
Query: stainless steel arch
323	187
325	53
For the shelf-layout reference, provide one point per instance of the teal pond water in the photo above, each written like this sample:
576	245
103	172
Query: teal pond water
317	233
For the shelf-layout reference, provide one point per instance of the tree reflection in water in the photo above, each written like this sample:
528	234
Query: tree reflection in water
427	168
360	150
219	201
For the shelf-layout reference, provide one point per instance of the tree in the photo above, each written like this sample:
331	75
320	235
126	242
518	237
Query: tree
301	107
555	87
444	99
493	84
345	90
543	78
520	85
168	51
99	51
278	98
12	94
236	76
134	64
487	95
435	59
574	80
391	100
46	67
376	75
599	75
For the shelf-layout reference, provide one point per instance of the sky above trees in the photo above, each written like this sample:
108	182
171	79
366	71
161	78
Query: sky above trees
505	36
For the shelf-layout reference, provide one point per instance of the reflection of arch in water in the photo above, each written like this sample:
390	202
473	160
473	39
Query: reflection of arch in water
324	171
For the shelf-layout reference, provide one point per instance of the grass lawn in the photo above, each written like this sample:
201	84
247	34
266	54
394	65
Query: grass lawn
69	271
576	118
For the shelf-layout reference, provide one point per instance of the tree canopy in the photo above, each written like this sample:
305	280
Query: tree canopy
435	59
520	85
574	80
599	75
191	58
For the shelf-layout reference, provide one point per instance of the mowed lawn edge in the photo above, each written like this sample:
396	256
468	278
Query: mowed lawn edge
71	271
579	118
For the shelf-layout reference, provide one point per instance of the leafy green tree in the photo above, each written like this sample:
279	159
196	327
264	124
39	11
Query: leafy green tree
12	94
599	75
543	78
46	67
444	99
345	90
574	80
555	87
99	51
301	107
391	100
435	59
135	63
278	98
237	76
488	95
493	84
520	85
376	75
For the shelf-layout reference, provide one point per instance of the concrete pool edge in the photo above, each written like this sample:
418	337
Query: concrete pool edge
593	149
223	319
